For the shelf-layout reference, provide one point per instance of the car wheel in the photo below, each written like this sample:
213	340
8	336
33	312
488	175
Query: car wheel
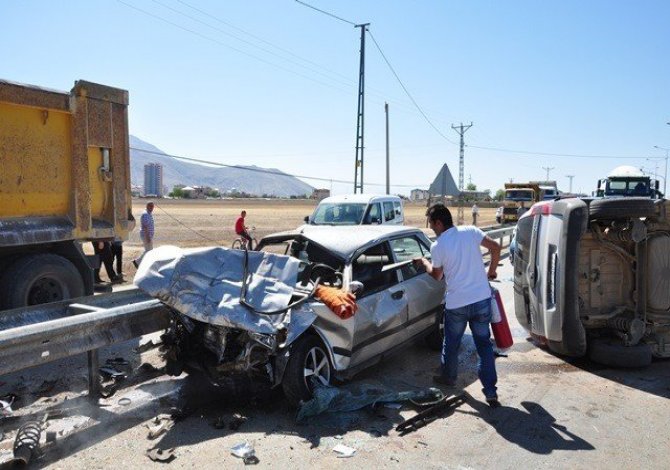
38	279
308	362
435	338
611	352
621	208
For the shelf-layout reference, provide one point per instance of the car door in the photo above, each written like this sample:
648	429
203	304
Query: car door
382	304
425	295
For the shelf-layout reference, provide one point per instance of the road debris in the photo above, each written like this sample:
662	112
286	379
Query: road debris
445	406
219	423
353	397
5	409
237	422
27	441
246	452
159	426
343	451
161	455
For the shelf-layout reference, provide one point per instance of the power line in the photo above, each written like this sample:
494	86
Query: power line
326	13
409	95
266	171
545	154
185	226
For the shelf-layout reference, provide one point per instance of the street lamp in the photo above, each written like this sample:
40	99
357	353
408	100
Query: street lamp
665	179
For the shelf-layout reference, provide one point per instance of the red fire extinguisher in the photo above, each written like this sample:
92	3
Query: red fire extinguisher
500	328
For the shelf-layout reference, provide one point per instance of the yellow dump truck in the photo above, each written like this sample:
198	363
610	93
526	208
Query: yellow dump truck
64	180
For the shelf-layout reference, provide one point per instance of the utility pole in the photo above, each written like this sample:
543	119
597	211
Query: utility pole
570	177
548	169
360	119
461	169
388	160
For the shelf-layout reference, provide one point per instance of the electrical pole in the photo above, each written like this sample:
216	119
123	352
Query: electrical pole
570	177
548	169
360	119
461	169
388	160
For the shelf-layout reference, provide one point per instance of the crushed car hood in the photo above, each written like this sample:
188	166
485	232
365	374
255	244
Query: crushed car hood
205	285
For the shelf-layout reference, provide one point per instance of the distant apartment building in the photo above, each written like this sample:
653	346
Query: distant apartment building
419	194
153	180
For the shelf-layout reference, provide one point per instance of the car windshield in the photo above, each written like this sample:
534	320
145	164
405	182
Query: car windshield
338	213
519	194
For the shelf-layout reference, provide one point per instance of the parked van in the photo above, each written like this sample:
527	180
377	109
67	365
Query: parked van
358	209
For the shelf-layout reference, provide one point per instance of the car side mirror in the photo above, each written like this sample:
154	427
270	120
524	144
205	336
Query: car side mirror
356	286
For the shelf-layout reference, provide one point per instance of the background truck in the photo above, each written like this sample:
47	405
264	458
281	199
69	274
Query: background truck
524	195
64	180
628	181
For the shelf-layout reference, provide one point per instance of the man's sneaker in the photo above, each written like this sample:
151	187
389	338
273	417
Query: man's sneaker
444	380
493	401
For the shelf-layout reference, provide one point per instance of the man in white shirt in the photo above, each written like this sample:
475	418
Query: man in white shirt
475	213
456	257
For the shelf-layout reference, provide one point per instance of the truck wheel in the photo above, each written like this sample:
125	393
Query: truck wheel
621	208
610	352
308	361
38	279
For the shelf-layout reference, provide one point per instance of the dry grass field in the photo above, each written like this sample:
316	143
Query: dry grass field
194	223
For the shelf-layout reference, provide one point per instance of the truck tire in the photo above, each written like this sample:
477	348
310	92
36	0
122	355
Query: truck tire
610	352
38	279
307	355
621	208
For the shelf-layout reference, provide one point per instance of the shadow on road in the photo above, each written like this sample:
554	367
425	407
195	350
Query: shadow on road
533	429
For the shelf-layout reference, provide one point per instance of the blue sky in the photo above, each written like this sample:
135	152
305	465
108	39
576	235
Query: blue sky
274	83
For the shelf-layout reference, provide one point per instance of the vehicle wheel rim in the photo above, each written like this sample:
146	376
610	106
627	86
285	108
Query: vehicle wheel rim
45	290
317	367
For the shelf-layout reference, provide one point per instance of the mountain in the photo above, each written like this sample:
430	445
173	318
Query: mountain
250	179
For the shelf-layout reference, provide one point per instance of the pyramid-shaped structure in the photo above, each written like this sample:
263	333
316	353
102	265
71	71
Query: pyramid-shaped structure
443	184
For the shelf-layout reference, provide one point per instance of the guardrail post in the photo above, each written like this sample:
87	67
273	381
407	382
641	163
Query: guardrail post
93	375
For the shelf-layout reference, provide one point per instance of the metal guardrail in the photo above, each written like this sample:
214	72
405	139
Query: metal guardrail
35	335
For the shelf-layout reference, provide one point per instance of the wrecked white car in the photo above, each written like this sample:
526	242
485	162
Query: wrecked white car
254	314
593	276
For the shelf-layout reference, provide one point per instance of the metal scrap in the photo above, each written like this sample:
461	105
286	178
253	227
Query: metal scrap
246	452
159	426
161	455
238	420
27	441
446	405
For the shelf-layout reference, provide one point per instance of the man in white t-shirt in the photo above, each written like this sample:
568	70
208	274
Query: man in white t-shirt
456	257
475	213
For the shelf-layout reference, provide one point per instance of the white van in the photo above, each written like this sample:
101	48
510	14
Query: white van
358	209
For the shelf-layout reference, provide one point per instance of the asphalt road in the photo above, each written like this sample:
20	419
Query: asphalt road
554	414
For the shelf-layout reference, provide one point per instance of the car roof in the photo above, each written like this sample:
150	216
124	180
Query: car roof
344	241
360	198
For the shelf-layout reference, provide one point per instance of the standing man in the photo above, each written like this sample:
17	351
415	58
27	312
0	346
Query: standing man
475	213
117	256
146	231
457	258
241	229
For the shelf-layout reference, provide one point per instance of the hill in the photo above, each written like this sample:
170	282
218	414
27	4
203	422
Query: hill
249	179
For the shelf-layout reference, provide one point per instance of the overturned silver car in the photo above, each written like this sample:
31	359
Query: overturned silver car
592	276
254	314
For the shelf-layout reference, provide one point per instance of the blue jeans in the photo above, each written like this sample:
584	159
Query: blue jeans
478	315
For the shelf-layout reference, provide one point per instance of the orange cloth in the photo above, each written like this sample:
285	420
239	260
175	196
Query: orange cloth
342	303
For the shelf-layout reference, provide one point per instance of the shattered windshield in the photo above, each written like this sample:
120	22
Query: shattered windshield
340	213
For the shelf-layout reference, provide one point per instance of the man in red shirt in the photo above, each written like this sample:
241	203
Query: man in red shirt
241	229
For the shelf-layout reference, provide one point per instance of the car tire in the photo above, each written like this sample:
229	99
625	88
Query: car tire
435	338
307	354
610	352
621	208
39	278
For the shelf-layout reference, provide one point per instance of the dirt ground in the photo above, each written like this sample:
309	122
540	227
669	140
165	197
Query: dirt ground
555	413
194	223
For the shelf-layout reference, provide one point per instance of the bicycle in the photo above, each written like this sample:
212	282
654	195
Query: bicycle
240	243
